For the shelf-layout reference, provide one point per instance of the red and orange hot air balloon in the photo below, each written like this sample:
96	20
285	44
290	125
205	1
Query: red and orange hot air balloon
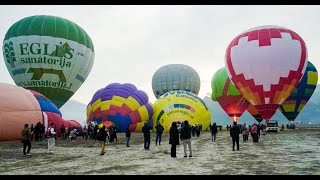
266	64
229	98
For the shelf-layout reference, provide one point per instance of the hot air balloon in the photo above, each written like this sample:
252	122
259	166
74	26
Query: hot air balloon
175	77
266	63
179	106
121	105
254	113
48	54
17	108
51	114
293	105
229	98
73	124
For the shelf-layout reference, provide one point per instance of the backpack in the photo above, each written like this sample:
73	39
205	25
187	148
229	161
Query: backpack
48	133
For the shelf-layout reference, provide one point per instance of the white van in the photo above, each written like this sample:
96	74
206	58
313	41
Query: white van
272	126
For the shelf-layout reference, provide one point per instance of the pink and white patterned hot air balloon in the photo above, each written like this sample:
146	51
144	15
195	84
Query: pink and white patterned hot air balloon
266	63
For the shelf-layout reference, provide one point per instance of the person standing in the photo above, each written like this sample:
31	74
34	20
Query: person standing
234	133
186	138
147	136
32	132
159	131
128	134
254	133
214	131
85	133
62	132
174	139
245	132
51	140
101	137
37	131
26	134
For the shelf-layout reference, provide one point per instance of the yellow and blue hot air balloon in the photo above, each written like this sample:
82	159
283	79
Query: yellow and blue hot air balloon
48	54
179	106
301	94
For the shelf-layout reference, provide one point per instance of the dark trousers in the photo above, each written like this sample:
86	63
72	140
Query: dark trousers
146	142
235	140
158	138
36	137
85	135
198	133
193	133
173	150
127	141
25	144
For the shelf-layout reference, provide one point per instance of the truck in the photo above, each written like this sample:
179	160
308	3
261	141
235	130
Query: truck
272	126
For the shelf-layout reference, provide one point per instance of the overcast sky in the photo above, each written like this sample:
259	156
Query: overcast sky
132	42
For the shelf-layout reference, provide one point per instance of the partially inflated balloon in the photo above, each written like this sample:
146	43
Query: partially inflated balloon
48	54
175	77
17	108
51	114
254	113
120	104
178	106
229	98
266	64
301	95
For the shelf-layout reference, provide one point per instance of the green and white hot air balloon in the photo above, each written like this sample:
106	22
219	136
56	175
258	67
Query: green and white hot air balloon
48	54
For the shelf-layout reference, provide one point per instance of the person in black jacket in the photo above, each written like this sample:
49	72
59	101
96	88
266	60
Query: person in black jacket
128	134
186	138
174	139
146	134
101	137
159	131
234	133
214	131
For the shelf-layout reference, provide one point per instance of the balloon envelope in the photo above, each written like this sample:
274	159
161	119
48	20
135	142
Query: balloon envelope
229	98
120	104
51	114
178	106
254	113
48	54
175	77
18	107
266	63
301	95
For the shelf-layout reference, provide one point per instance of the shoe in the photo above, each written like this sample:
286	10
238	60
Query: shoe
101	154
190	156
184	156
28	154
128	146
232	149
174	156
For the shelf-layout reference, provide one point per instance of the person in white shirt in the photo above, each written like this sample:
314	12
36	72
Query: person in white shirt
73	135
51	135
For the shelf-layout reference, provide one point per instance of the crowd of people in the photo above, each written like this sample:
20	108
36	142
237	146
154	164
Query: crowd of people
182	132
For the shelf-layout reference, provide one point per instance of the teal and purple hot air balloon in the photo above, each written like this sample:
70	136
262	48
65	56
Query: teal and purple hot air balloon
301	94
121	105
